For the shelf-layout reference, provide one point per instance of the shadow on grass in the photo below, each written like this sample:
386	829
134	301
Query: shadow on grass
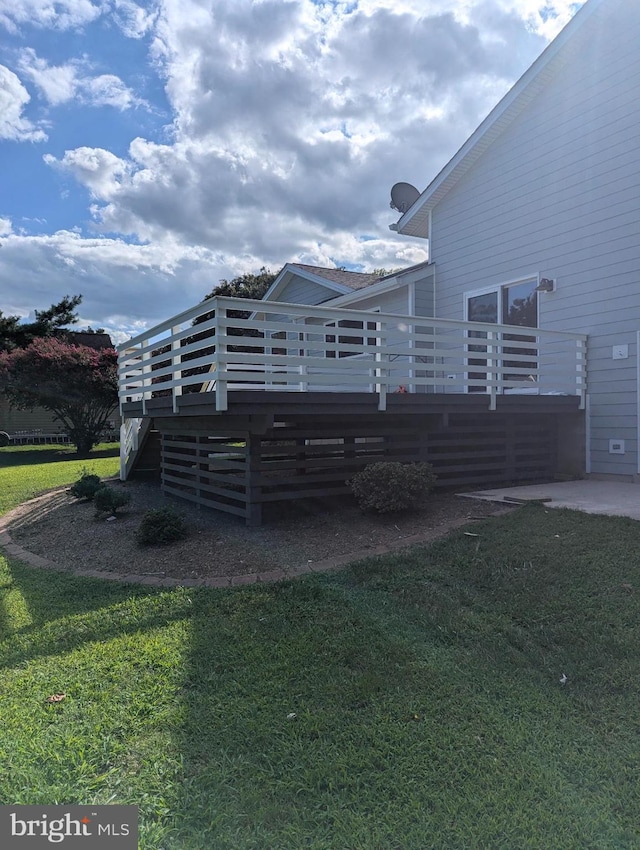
62	613
286	689
27	455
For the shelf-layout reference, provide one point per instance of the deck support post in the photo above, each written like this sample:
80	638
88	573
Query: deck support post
146	380
581	356
175	362
301	457
253	489
222	402
381	374
492	361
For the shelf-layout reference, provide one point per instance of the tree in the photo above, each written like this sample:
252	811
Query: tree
78	384
245	285
48	323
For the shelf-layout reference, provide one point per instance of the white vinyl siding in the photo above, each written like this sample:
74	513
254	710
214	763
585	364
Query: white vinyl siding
301	291
558	195
395	301
425	296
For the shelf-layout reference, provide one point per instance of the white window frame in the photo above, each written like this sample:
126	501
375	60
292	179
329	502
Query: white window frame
349	355
487	290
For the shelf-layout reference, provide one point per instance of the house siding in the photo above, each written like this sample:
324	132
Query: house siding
395	301
301	291
425	296
13	420
557	195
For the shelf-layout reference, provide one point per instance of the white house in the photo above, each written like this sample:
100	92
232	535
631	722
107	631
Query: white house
548	188
541	205
512	354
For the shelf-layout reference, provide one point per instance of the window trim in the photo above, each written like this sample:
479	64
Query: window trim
348	354
498	288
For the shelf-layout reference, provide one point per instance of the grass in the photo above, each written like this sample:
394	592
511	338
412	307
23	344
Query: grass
26	471
426	690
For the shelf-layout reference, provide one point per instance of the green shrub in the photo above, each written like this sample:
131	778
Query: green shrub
161	526
108	500
86	486
391	487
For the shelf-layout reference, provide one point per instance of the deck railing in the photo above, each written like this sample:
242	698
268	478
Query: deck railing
265	346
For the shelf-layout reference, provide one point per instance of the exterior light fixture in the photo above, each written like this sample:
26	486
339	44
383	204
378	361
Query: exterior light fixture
546	285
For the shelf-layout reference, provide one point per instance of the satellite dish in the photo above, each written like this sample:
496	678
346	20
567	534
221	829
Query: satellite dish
403	196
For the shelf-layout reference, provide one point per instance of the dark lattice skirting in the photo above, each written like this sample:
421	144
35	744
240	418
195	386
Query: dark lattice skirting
240	470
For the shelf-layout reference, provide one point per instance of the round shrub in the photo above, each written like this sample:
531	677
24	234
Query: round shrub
108	500
392	487
86	486
160	527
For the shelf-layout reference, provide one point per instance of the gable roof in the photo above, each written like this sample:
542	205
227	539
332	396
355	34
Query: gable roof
336	281
415	221
352	280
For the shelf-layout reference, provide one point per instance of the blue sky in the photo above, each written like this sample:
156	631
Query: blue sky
149	150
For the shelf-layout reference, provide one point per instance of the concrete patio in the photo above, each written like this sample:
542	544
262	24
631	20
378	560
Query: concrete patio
593	497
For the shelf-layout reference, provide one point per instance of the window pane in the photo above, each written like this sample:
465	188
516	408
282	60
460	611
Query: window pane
520	304
483	308
520	308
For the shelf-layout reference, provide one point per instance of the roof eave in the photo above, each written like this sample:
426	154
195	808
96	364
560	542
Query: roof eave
290	270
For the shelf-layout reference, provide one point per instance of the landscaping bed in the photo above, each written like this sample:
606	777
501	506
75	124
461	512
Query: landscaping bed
67	532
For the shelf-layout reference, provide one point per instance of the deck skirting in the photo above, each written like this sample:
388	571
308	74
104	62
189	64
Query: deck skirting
240	464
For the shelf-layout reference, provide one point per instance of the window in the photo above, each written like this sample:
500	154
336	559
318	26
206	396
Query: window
511	304
360	340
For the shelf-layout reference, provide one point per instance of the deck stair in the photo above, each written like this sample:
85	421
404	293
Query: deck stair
141	448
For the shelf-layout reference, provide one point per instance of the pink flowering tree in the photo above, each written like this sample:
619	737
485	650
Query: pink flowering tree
77	384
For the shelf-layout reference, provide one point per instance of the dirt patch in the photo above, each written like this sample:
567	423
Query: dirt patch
67	532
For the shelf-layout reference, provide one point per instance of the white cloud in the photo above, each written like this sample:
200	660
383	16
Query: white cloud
50	14
5	226
57	84
123	286
291	121
135	21
99	170
73	81
107	90
299	117
13	99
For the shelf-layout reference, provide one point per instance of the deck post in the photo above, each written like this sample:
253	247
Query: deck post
580	377
381	386
253	489
492	361
175	362
222	401
123	449
146	381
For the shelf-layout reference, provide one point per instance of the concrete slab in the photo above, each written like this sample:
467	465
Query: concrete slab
593	497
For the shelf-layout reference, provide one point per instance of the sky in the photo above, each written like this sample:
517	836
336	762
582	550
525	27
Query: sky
149	150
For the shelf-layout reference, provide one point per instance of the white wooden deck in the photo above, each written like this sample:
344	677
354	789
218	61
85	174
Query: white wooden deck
303	349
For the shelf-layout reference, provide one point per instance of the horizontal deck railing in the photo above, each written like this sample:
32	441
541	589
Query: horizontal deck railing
265	346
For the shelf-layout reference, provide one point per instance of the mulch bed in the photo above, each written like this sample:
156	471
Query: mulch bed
67	532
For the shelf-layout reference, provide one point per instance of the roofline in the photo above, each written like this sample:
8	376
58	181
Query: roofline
423	265
290	269
414	222
385	284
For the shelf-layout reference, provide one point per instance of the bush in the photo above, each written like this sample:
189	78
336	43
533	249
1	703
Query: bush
108	500
161	526
86	486
391	487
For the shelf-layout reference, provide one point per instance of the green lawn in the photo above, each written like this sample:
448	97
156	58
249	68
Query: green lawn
426	689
